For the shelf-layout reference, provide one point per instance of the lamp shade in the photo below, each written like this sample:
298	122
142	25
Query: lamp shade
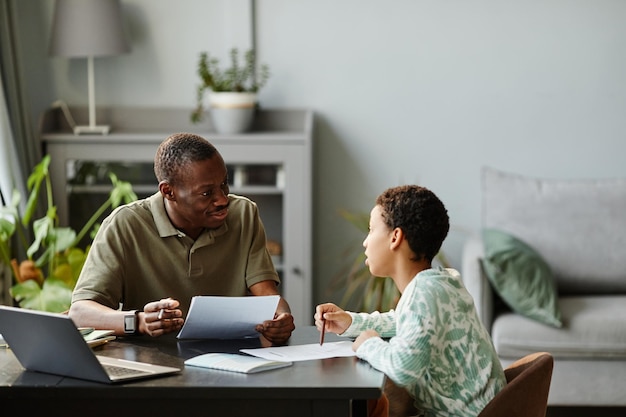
88	28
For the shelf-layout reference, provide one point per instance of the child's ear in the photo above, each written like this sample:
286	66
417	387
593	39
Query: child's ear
397	236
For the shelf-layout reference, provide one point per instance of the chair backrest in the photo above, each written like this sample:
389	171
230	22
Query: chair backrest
526	392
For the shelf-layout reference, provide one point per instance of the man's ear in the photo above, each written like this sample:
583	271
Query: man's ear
167	191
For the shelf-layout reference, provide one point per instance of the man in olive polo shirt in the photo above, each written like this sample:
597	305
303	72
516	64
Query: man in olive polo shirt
190	238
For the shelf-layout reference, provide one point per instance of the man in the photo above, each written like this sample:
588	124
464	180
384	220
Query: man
190	238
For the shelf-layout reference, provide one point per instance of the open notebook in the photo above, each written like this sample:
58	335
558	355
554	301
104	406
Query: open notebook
51	343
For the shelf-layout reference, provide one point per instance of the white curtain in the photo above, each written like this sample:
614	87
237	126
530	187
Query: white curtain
10	178
18	146
10	173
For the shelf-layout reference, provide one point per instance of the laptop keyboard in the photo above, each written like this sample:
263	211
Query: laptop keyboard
113	370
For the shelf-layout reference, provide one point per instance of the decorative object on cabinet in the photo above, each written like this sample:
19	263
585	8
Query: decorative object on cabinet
232	92
55	249
88	28
271	164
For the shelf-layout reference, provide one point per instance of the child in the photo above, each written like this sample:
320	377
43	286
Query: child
438	348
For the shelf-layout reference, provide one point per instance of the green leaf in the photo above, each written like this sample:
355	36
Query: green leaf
122	192
68	264
55	296
359	220
9	219
11	210
39	174
25	291
7	228
41	228
62	238
76	258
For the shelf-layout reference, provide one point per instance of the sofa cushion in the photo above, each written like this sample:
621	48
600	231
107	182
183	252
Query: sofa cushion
521	277
593	327
578	226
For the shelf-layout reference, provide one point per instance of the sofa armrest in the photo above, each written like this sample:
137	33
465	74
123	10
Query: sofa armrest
475	280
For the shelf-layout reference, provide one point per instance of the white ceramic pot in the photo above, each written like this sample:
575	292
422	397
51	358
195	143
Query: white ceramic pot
232	112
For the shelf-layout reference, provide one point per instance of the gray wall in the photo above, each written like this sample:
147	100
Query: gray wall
404	91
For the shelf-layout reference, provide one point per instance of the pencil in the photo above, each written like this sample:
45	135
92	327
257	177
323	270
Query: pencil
323	331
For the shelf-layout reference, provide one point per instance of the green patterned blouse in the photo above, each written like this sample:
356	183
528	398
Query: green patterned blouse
438	348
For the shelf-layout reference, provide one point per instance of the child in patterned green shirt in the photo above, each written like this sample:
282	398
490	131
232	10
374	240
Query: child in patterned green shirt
438	348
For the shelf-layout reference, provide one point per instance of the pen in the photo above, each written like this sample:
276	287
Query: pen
160	316
323	331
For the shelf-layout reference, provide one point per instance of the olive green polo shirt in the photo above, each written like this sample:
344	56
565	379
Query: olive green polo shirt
138	256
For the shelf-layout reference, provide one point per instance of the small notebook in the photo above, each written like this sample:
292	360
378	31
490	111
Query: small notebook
97	337
234	362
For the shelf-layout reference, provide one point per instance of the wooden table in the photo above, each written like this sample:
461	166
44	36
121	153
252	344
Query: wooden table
328	387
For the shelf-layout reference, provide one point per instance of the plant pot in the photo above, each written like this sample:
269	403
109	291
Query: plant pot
232	112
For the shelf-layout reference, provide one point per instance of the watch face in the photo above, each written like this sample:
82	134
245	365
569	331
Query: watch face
129	323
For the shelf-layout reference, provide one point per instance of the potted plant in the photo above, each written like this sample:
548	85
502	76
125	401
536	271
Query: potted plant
232	92
45	277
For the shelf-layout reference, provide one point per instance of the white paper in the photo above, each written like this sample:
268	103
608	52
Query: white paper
212	317
296	353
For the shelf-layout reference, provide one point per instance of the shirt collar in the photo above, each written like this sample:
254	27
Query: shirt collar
164	225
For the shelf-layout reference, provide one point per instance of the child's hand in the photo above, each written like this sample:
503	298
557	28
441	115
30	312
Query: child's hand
337	320
367	334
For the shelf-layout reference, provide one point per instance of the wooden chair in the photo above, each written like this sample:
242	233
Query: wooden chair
526	392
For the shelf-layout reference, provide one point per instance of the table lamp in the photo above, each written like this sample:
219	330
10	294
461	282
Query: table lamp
88	28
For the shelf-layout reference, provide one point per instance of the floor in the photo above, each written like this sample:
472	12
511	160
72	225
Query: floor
586	412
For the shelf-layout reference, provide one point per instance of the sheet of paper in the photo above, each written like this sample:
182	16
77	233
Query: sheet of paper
304	352
212	317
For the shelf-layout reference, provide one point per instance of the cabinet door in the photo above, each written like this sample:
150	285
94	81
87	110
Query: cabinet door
285	211
71	159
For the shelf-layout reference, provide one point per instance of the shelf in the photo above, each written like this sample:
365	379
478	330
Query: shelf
145	124
152	188
272	165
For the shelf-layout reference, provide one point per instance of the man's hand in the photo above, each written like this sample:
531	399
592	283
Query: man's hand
278	330
89	313
161	317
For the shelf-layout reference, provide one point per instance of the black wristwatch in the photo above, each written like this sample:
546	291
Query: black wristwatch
131	326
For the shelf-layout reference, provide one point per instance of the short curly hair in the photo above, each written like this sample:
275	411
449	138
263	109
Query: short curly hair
176	152
420	215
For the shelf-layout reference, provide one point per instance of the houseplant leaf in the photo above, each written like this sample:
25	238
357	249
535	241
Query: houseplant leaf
55	246
40	174
54	296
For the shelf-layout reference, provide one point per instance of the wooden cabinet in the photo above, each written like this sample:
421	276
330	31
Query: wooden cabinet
271	164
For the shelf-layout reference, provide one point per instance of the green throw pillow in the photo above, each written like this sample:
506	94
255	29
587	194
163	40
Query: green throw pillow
521	277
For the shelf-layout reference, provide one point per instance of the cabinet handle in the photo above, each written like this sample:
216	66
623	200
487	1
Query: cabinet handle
296	270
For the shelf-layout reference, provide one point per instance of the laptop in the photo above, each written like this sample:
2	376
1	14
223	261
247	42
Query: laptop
51	343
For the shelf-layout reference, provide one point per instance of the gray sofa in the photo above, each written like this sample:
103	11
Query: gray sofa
578	227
